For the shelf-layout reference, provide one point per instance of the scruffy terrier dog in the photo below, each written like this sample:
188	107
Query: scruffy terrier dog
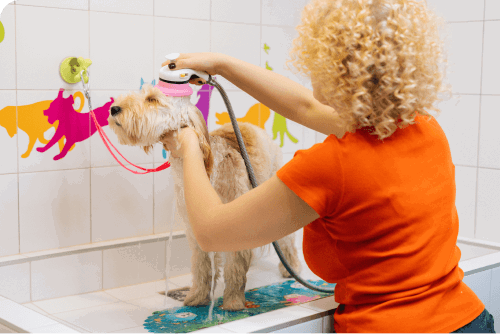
143	118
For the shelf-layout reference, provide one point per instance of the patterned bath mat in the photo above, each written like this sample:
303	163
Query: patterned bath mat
268	298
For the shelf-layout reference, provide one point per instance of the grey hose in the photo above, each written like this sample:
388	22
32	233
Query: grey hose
251	175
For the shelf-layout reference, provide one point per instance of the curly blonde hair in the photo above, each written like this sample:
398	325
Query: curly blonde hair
377	60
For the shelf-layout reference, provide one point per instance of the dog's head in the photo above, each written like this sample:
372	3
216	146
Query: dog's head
143	118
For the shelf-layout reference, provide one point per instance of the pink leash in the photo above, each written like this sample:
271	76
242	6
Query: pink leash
103	135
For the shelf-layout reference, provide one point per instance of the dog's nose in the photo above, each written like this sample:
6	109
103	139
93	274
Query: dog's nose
115	110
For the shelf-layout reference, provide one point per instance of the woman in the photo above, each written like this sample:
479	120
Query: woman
376	199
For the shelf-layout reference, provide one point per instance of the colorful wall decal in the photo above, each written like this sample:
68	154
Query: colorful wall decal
258	114
260	300
2	32
279	124
203	104
32	121
73	125
142	83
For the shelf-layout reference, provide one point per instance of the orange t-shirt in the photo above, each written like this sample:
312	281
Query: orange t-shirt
387	230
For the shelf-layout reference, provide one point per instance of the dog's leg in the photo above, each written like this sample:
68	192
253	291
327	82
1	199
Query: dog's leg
235	277
287	246
201	270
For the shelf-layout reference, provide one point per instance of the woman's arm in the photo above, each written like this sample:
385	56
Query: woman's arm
263	215
280	94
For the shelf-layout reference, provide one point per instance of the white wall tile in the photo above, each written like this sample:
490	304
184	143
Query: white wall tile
34	125
459	10
54	209
309	138
59	33
16	282
464	57
236	40
492	11
489	139
133	265
236	11
8	49
66	275
8	131
164	198
117	65
68	4
488	210
459	119
188	9
9	218
282	12
320	137
480	283
100	155
141	7
494	308
491	54
195	37
465	179
279	41
180	260
122	203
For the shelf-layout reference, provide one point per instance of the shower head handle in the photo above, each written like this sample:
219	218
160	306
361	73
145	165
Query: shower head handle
182	76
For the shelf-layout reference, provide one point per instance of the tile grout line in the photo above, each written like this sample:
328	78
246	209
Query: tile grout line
194	19
479	122
154	78
90	169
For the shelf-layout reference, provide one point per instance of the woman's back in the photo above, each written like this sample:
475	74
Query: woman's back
388	236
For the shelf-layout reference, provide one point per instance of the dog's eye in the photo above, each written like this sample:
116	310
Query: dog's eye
118	124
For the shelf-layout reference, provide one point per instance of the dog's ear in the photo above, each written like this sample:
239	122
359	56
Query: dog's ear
147	149
200	127
153	94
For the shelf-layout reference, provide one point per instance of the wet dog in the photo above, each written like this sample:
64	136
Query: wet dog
143	118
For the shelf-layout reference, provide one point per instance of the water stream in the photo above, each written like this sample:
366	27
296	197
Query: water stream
212	260
168	255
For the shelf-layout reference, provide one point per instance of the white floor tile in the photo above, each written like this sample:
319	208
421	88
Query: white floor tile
156	303
134	291
107	318
73	303
59	328
21	316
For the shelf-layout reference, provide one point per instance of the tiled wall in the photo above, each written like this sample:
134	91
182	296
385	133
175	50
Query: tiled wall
87	197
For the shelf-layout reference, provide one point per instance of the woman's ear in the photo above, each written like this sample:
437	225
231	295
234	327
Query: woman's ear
200	127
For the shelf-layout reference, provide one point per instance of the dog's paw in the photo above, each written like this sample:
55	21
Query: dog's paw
194	298
234	304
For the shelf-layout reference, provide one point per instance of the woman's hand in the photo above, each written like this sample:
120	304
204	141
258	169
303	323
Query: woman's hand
210	62
178	142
